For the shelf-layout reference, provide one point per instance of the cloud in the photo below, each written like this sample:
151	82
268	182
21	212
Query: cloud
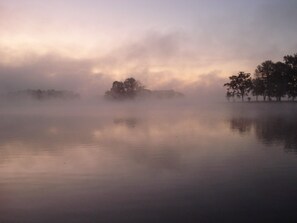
52	72
158	60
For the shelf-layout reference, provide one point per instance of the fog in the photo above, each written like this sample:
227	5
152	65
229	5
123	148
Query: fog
159	61
69	154
115	158
193	54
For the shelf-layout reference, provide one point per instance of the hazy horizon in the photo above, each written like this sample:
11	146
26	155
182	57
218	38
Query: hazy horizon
189	46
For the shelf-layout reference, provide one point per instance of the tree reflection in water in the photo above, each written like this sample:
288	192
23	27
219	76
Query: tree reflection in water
269	130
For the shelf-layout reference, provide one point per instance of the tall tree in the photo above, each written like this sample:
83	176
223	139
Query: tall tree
117	91
263	73
229	95
258	87
132	87
291	62
240	85
279	80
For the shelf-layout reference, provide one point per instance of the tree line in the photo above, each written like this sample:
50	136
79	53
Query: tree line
132	88
271	81
44	94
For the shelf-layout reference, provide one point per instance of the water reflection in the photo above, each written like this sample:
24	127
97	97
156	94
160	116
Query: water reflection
270	130
143	167
154	141
241	125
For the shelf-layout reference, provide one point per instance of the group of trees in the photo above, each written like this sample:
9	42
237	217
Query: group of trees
131	89
124	90
271	81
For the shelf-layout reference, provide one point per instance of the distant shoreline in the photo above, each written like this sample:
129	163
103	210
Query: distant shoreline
262	102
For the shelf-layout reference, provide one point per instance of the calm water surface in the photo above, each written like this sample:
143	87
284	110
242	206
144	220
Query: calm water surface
227	163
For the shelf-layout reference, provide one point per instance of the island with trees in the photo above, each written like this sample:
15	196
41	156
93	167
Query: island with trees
132	89
44	94
272	81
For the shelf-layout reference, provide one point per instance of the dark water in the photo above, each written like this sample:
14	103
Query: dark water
227	163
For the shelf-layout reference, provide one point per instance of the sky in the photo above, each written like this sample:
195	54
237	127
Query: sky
186	45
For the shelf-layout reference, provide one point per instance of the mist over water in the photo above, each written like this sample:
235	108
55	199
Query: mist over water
75	147
148	161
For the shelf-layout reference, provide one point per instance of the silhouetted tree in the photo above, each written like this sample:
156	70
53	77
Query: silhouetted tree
258	87
272	80
291	62
122	90
279	80
229	95
263	73
131	87
240	85
118	89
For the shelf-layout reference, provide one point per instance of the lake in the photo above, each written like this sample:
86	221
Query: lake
149	163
